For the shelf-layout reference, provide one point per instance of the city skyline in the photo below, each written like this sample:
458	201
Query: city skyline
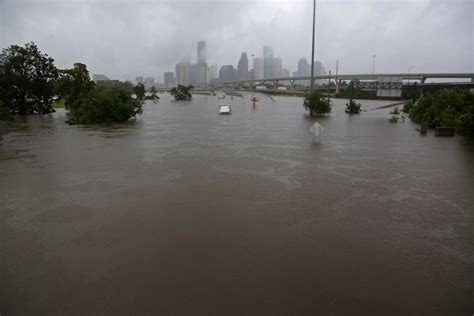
151	35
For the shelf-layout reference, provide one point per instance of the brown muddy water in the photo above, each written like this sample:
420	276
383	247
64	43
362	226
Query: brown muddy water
185	212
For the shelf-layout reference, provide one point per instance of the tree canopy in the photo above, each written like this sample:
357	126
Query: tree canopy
27	79
101	105
447	108
182	92
74	82
316	104
352	107
139	91
152	95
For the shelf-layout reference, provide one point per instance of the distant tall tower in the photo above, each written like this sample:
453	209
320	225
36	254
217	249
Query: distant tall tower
277	66
267	62
304	69
243	67
201	52
258	72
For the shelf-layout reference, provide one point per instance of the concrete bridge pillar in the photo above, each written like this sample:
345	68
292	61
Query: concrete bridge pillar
423	79
292	85
275	84
472	80
338	82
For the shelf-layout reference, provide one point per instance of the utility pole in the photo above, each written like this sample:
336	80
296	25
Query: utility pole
329	91
312	46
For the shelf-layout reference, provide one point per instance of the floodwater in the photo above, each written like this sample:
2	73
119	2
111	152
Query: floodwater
185	212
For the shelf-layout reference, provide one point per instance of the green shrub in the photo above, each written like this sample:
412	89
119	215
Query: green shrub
103	105
316	104
352	107
182	93
448	108
394	119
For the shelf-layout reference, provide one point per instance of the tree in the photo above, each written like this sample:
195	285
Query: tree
74	82
316	104
27	79
182	92
448	108
352	107
110	84
101	105
139	91
153	95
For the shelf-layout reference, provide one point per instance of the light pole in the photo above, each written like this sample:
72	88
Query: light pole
312	46
373	63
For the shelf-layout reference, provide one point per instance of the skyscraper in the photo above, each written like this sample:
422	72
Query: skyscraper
276	67
258	71
267	62
243	67
304	69
200	70
227	73
201	52
181	70
213	72
168	79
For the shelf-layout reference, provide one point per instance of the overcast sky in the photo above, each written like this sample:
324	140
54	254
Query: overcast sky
124	39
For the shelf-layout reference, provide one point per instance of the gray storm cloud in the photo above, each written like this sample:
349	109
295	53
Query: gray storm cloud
124	39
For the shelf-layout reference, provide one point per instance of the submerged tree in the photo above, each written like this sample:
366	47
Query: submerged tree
27	79
153	95
352	107
74	82
139	91
102	105
182	92
316	104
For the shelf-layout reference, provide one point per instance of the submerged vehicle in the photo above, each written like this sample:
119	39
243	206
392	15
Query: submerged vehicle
225	109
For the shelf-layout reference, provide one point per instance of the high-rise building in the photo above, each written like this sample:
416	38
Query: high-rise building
212	72
201	52
319	70
303	68
285	73
192	73
149	82
168	79
276	67
267	62
243	67
258	68
181	70
227	73
139	80
201	73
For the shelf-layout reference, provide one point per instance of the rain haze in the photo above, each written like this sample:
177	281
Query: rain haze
185	158
124	39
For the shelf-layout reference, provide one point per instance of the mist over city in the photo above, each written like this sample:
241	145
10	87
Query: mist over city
126	39
241	157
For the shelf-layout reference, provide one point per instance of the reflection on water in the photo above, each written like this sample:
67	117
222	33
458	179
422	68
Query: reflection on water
183	211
